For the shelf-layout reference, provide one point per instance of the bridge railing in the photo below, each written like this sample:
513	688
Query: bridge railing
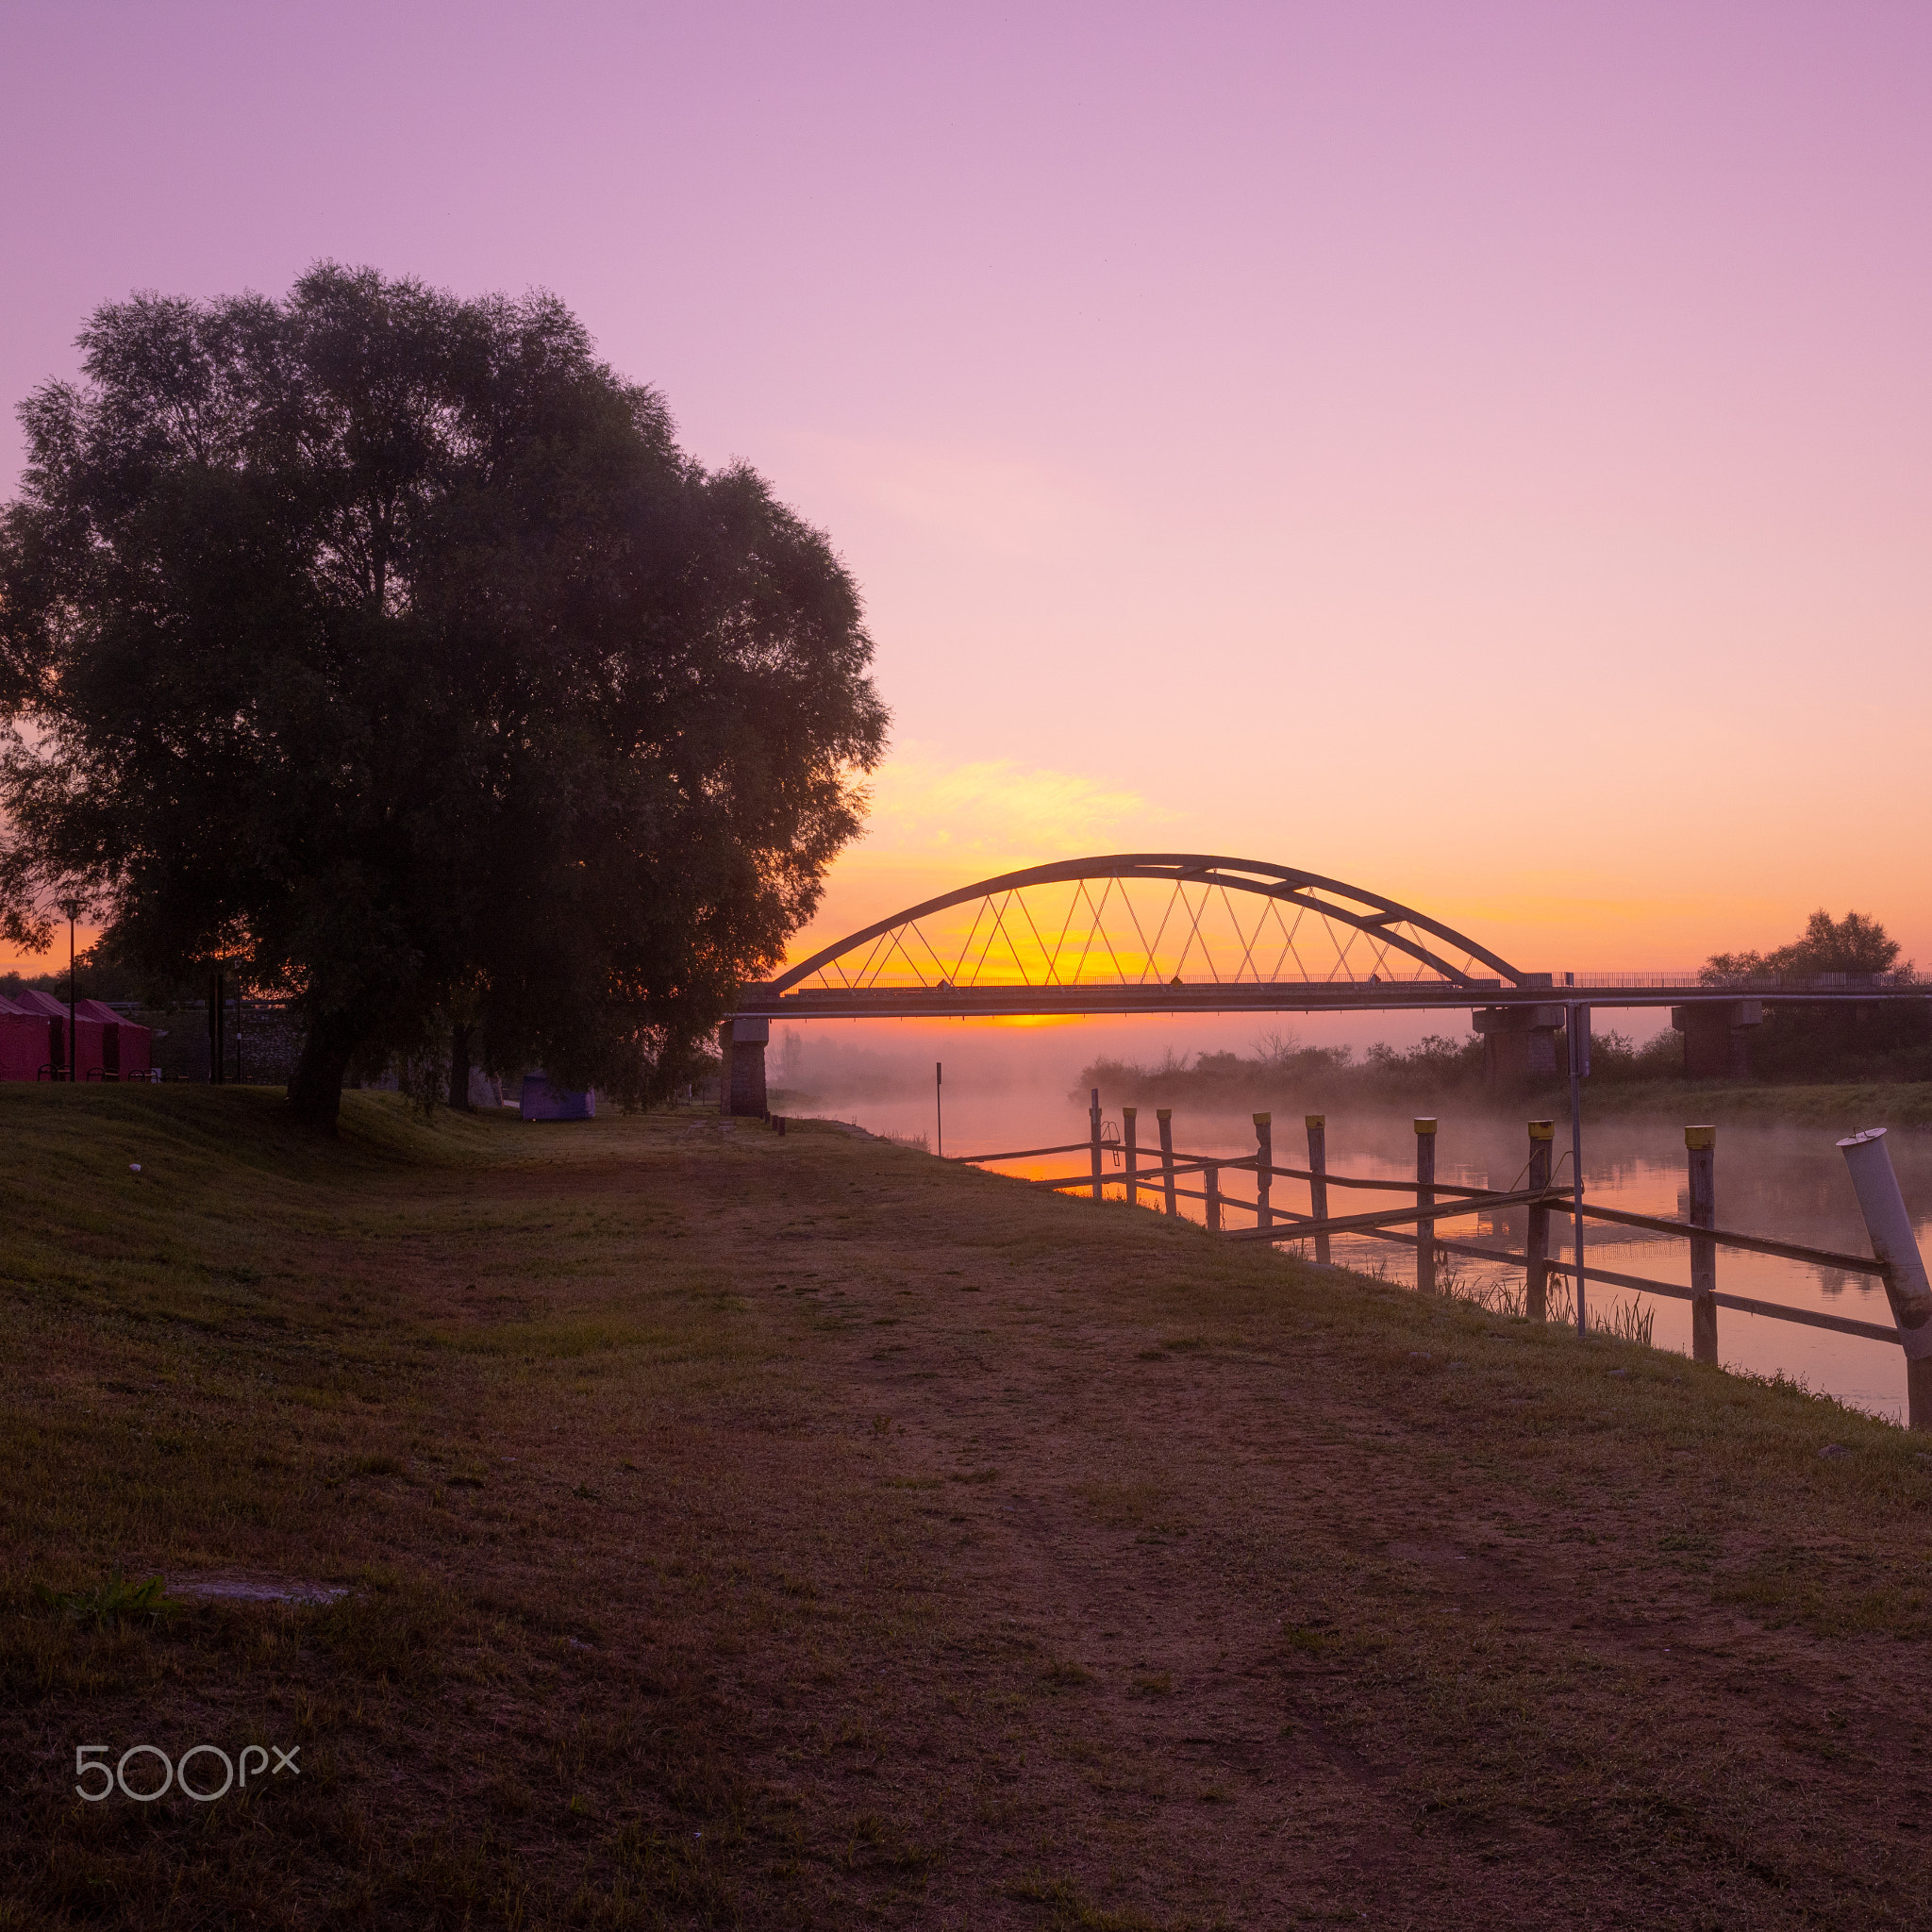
1140	1172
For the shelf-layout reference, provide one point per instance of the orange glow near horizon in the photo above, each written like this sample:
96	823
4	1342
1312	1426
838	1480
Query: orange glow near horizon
1478	455
937	827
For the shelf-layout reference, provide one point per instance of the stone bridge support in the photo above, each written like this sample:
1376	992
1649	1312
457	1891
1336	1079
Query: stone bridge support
742	1072
1717	1037
1519	1044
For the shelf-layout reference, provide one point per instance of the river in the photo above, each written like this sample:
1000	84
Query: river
1786	1182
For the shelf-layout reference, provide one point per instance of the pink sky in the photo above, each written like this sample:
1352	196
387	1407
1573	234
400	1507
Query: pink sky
1481	452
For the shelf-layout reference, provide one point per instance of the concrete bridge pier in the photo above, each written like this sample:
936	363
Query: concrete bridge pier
741	1072
1519	1044
1717	1037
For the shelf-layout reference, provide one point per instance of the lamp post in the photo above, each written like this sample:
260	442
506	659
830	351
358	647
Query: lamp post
72	907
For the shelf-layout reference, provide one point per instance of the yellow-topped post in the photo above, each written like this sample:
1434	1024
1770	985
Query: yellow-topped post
1700	1146
1536	1300
1318	1185
1425	1197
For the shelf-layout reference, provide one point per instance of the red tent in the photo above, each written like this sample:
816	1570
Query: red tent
127	1050
47	1049
110	1048
24	1042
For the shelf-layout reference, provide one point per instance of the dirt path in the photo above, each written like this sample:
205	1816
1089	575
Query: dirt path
1311	1625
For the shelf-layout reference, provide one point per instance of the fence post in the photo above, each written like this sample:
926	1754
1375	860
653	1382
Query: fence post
1165	1116
1425	1197
1210	1175
1129	1116
1264	1159
1318	1188
1536	1305
1093	1134
1894	1243
1701	1148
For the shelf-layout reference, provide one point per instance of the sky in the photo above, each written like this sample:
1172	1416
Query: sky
1479	452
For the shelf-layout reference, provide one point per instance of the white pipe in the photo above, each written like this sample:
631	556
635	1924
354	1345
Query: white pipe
1892	1240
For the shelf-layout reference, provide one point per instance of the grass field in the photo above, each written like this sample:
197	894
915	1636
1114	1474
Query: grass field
1850	1105
742	1530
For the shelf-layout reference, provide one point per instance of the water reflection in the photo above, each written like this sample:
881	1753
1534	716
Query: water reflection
1787	1182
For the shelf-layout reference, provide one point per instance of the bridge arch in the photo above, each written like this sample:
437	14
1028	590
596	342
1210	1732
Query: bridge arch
1147	920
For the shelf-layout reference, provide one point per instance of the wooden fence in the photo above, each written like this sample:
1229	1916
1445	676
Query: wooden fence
1436	1202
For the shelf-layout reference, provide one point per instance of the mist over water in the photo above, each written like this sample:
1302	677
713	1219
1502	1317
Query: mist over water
1788	1182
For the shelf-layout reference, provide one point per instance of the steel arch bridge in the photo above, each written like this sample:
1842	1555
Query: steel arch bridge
1140	932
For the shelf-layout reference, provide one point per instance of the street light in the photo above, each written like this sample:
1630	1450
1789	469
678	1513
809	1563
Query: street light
72	909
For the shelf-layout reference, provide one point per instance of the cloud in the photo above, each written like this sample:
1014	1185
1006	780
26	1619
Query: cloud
937	825
927	810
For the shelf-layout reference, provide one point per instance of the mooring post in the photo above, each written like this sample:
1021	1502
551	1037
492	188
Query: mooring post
1131	1152
1576	1034
1536	1303
1318	1188
1165	1116
1701	1149
1894	1243
1210	1176
1425	1197
1093	1134
1264	1159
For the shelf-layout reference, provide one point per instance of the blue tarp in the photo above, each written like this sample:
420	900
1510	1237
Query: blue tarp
544	1101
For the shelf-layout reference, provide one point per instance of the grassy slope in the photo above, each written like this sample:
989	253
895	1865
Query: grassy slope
747	1531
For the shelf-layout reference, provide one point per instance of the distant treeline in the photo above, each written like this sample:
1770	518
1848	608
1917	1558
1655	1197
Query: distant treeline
1435	1065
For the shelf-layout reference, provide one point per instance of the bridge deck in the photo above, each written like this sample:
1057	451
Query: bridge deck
1293	996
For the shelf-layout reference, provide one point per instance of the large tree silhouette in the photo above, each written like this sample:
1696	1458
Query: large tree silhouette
387	643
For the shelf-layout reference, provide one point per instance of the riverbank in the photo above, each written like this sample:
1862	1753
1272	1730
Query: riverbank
737	1528
1848	1106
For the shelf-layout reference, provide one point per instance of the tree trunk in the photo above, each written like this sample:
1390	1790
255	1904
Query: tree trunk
315	1090
460	1067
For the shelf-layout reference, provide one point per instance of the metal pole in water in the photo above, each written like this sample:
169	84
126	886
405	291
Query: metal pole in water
939	1110
1578	1031
1894	1243
1093	1133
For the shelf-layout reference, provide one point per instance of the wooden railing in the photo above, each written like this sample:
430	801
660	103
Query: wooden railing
1438	1200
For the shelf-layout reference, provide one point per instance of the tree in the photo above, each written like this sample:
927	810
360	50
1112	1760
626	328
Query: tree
1856	944
386	642
1842	1041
